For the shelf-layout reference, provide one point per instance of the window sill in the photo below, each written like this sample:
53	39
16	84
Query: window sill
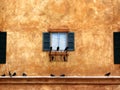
56	53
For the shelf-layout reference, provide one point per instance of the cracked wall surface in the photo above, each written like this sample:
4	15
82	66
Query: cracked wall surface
92	21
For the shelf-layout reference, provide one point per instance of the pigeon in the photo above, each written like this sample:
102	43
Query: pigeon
52	75
107	74
10	74
57	48
66	49
3	75
14	74
24	74
62	75
50	48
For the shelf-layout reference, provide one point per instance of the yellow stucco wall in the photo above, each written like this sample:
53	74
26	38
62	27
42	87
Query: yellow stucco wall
92	21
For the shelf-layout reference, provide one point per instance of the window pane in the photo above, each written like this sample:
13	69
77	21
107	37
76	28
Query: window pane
116	44
3	37
58	39
63	41
54	41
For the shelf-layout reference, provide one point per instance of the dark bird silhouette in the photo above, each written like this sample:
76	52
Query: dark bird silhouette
14	74
52	75
24	74
3	75
57	48
66	49
50	48
10	74
107	74
62	75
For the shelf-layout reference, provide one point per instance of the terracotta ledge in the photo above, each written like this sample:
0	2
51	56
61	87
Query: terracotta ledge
58	30
56	53
57	80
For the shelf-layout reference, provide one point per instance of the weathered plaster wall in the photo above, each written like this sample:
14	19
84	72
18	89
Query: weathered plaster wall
93	22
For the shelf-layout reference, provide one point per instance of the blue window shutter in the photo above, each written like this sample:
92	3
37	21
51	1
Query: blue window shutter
71	41
46	41
3	37
116	36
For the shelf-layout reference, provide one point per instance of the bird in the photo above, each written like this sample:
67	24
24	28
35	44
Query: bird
10	74
62	75
107	74
3	75
50	48
24	74
14	74
66	49
58	48
52	75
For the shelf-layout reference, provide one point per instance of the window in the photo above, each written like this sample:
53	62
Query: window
55	39
3	36
58	40
116	47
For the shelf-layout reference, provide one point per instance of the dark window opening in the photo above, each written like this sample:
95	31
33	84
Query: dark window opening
3	37
116	37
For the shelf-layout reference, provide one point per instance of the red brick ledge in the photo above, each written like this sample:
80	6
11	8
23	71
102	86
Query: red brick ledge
67	80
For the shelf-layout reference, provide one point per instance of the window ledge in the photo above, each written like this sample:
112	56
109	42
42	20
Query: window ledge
58	30
57	80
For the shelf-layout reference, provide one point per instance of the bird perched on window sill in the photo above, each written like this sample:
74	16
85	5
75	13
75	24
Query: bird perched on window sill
52	75
14	74
107	74
3	75
24	74
62	75
10	74
50	50
66	49
57	48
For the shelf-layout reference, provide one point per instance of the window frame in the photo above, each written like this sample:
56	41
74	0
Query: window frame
3	47
70	38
